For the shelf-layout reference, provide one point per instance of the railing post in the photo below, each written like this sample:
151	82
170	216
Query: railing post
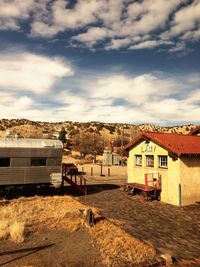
85	187
101	170
179	196
146	181
108	171
91	171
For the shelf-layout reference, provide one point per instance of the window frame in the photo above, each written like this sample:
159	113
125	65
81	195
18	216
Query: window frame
148	161
138	160
7	160
160	164
42	162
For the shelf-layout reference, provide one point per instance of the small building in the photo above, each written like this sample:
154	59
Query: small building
110	158
177	160
30	161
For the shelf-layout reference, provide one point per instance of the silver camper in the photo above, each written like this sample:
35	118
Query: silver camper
30	161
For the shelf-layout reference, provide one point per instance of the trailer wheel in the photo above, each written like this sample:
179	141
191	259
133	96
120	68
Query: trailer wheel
144	196
127	190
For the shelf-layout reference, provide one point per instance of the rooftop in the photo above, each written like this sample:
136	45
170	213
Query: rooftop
175	143
29	143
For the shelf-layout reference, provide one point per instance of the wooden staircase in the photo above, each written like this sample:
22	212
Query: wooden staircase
76	180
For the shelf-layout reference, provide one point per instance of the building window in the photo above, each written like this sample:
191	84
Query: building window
138	160
162	161
4	162
38	161
150	161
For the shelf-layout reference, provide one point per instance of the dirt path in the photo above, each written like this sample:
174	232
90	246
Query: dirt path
51	249
168	228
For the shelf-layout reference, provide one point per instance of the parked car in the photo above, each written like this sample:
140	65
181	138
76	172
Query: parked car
71	168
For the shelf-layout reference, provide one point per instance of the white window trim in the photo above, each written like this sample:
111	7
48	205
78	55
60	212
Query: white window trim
147	161
137	160
160	164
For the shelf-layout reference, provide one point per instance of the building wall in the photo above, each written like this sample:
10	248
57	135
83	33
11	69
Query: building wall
170	177
190	179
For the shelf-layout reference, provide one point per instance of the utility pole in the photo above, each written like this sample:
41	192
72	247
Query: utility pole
122	143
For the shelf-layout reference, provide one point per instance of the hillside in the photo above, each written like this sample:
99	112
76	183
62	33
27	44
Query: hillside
38	129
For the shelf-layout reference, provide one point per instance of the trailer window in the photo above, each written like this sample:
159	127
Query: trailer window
162	161
38	161
138	160
4	162
150	161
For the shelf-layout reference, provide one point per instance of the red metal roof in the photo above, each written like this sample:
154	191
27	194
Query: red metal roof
175	143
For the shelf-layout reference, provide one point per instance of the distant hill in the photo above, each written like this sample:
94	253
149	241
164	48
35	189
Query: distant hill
38	129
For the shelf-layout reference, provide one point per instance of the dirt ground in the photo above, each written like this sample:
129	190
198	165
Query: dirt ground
167	228
51	248
56	234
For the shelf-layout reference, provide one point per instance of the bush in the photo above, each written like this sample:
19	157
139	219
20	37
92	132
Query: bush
17	232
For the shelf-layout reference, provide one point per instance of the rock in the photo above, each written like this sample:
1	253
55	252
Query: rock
168	259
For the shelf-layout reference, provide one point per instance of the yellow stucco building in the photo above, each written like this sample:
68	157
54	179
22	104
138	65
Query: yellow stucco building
176	158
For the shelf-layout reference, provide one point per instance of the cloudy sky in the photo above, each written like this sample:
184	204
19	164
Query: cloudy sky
100	60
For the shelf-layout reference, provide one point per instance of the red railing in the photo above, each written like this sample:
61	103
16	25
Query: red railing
152	180
75	179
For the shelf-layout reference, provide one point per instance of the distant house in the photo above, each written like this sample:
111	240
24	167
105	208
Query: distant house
110	158
175	157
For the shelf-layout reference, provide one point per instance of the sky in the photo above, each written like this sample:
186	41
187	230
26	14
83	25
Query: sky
120	61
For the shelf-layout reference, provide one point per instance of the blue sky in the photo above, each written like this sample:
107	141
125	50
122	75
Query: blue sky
100	60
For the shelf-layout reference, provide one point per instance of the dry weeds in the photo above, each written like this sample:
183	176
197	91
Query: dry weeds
4	229
17	232
118	248
36	213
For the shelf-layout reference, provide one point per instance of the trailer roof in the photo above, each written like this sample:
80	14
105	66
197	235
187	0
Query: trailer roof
30	143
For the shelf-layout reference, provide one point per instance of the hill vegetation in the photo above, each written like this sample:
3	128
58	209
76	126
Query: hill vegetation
87	137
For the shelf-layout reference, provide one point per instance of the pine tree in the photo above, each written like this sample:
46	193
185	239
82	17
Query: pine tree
62	135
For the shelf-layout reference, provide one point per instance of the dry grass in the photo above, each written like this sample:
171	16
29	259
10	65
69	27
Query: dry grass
4	229
118	248
36	213
17	232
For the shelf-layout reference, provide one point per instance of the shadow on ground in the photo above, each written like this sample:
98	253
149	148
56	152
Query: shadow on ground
46	191
24	251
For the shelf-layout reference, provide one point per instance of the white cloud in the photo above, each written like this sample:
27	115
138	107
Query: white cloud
118	43
153	15
150	97
13	105
42	29
173	110
92	36
11	12
31	72
118	23
135	90
178	47
150	44
144	98
186	23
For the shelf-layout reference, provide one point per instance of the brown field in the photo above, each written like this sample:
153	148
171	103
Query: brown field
50	231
